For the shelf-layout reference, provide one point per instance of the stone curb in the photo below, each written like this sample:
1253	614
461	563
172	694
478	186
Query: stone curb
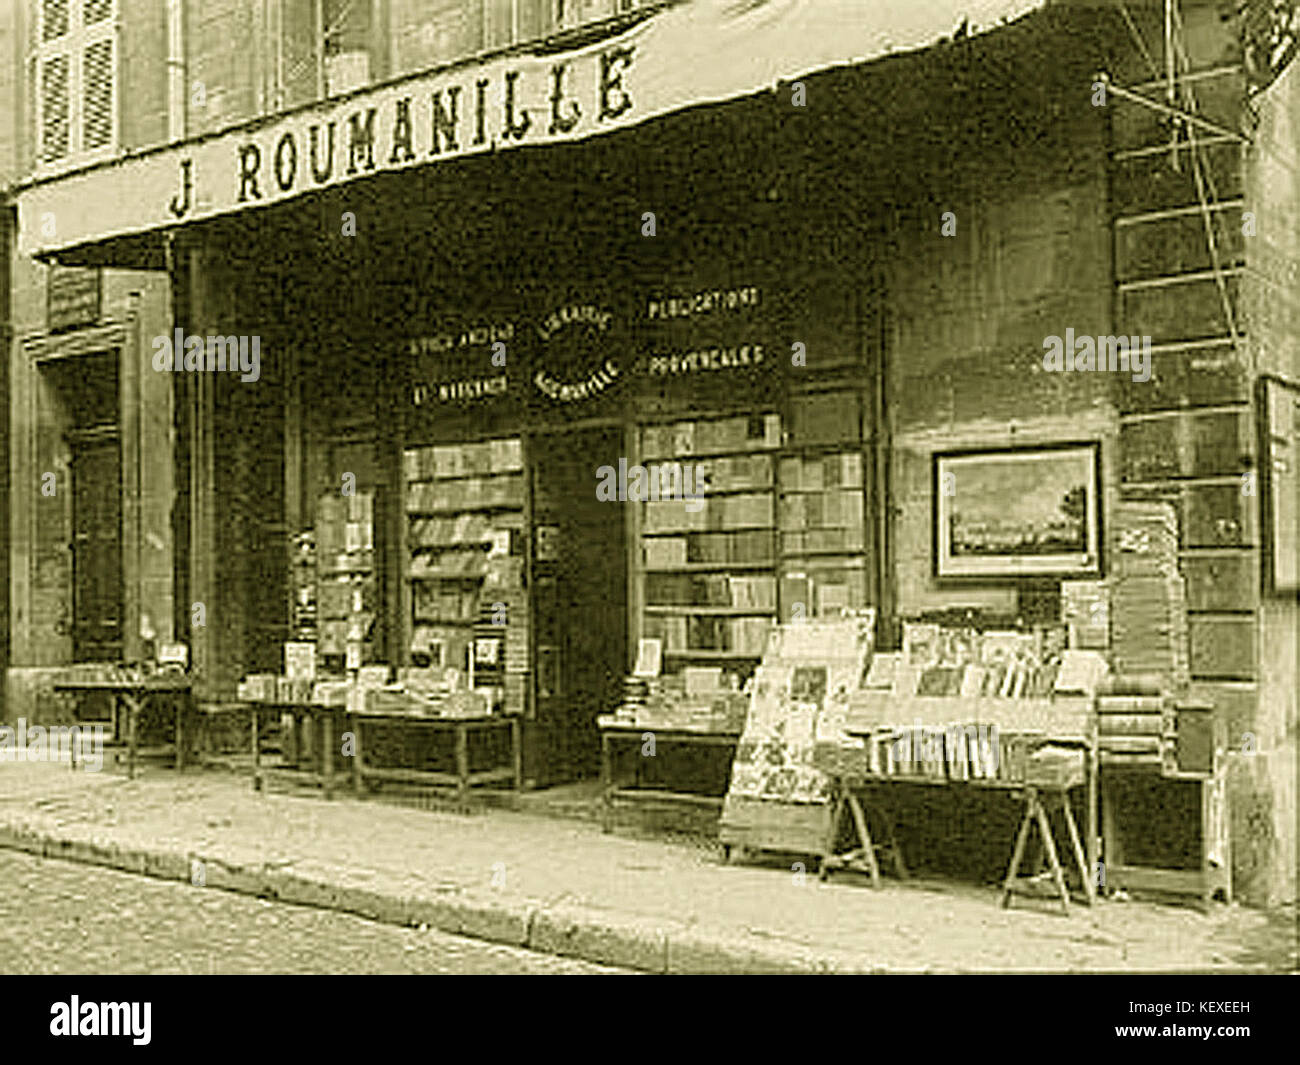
604	937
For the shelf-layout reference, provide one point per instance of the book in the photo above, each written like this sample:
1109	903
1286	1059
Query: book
649	658
882	671
920	644
972	681
1081	672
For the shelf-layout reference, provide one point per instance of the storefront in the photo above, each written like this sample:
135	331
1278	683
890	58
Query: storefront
519	413
594	423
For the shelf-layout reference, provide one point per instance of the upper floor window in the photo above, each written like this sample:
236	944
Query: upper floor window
75	79
426	33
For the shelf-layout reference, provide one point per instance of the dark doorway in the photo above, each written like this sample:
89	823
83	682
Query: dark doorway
96	476
579	598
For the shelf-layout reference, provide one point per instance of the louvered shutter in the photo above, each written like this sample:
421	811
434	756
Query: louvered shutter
76	78
54	107
54	19
97	77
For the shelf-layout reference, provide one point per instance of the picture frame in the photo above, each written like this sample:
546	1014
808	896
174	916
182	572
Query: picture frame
1005	513
1279	429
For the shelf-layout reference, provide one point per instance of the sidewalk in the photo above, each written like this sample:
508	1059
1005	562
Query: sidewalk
563	887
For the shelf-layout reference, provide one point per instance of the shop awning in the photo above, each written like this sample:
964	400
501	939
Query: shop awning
699	52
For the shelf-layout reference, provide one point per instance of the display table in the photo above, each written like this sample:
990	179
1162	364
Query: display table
1020	724
463	779
328	723
130	695
618	785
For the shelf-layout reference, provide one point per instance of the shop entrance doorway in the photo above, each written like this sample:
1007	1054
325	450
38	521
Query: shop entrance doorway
96	470
579	602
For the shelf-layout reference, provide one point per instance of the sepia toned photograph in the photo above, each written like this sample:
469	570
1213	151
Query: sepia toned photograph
628	487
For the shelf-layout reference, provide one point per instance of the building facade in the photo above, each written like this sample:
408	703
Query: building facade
483	261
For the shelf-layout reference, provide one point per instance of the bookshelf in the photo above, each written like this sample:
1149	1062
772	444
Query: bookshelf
821	531
709	589
346	584
463	557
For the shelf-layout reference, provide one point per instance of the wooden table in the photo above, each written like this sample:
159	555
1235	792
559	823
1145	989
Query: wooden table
862	856
328	722
131	694
463	779
616	733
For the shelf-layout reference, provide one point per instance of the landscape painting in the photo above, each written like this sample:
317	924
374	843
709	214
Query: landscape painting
1017	512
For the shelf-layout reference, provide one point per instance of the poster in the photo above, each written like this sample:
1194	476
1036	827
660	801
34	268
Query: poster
800	697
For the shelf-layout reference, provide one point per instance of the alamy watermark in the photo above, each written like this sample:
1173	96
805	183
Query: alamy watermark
1123	354
82	744
77	1018
192	354
655	483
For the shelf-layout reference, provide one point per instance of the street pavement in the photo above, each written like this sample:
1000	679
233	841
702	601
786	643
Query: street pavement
563	887
64	918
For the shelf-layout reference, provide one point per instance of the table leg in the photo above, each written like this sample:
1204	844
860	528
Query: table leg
517	751
1049	844
327	750
1090	824
1017	856
133	704
1077	847
358	772
864	836
832	832
896	851
462	765
180	733
257	749
606	783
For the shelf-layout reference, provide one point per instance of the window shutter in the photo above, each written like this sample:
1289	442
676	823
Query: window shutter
54	19
95	11
54	108
97	94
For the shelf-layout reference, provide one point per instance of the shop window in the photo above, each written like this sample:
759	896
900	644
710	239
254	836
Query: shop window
571	13
707	547
346	29
327	47
76	80
463	567
426	33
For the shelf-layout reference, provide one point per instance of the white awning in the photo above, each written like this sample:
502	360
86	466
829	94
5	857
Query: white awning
703	51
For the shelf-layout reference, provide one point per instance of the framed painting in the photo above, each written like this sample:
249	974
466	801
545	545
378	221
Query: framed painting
1018	512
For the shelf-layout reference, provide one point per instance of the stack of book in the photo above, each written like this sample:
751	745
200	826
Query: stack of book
735	473
670	702
1134	717
709	436
303	577
1148	594
463	460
